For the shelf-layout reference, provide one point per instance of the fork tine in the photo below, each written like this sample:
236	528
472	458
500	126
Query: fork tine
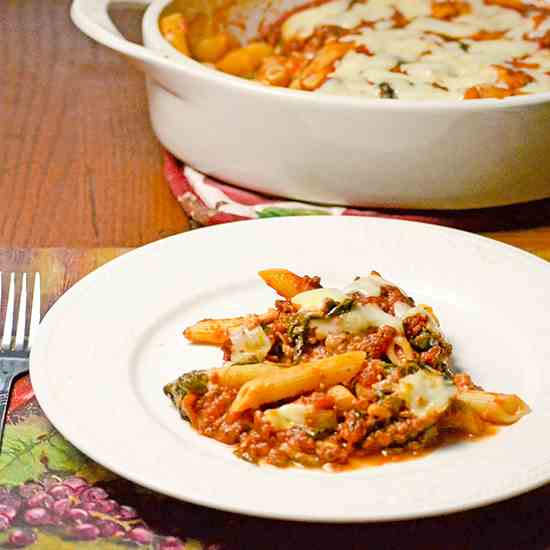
4	283
18	277
21	316
8	321
35	310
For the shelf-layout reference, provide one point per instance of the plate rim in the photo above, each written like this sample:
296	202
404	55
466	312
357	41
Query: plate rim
40	348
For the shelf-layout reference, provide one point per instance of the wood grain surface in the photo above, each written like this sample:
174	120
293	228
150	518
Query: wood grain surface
79	165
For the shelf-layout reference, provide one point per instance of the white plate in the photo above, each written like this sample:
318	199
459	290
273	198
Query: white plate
111	342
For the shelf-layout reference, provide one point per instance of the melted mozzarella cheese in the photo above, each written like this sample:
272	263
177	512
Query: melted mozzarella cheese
431	65
286	416
426	393
403	311
338	12
314	300
302	415
358	319
249	345
369	286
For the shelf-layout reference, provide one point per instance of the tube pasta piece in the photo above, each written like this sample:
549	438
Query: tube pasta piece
235	376
400	351
212	48
328	46
212	331
244	61
286	283
322	65
398	392
496	408
343	398
297	380
174	29
463	418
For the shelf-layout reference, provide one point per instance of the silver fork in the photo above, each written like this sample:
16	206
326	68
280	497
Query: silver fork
19	318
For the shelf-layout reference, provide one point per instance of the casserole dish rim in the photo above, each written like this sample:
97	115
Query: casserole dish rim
155	42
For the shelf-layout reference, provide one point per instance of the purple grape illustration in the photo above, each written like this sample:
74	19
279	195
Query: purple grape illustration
40	499
74	509
78	515
61	507
7	510
76	484
60	491
9	499
5	523
85	531
93	494
110	529
170	543
37	516
127	512
19	538
29	489
141	535
108	506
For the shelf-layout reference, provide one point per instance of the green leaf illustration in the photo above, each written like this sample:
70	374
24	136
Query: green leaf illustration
275	212
34	446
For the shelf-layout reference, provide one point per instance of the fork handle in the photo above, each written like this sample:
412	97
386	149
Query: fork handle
5	387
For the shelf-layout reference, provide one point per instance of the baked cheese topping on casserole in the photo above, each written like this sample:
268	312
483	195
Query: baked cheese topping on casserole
391	49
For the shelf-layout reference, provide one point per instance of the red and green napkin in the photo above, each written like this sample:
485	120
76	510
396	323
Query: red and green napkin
207	201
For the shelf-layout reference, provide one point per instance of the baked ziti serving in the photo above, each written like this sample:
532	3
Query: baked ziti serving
330	375
391	49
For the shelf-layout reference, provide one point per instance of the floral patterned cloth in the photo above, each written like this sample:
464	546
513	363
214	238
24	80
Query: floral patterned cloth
207	201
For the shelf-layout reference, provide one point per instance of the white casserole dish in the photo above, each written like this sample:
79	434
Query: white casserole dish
334	149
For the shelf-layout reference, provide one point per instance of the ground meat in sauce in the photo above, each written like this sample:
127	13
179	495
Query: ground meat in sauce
435	357
210	418
398	433
414	325
373	372
374	424
369	428
377	420
375	343
389	296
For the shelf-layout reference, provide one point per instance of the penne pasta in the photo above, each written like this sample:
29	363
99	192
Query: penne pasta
497	408
343	398
310	49
329	374
286	283
174	29
235	376
463	418
400	352
299	379
212	331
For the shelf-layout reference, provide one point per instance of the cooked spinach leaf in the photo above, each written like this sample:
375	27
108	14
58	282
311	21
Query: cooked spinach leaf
337	308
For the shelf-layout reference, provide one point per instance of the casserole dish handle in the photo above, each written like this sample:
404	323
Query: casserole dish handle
93	19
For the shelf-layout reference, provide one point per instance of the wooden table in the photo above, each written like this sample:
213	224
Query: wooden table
79	163
80	168
76	147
